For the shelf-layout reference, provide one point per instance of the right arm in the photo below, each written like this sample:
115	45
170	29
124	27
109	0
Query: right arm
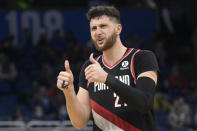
78	106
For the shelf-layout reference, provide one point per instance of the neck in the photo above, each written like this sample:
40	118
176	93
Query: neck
114	53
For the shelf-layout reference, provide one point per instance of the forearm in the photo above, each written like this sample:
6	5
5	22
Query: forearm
141	97
78	115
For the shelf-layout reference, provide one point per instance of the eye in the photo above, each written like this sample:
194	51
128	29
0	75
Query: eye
93	28
103	26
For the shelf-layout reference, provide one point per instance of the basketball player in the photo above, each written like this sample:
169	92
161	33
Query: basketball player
118	87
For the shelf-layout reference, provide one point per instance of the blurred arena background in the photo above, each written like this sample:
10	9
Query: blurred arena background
36	36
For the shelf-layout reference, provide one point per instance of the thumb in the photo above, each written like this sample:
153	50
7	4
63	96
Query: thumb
92	59
67	66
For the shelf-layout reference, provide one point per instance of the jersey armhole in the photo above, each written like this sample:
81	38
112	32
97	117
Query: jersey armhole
132	66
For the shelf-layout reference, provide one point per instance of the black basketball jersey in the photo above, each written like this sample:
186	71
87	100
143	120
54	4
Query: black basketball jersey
109	111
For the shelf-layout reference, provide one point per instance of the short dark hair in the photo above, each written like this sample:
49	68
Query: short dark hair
98	11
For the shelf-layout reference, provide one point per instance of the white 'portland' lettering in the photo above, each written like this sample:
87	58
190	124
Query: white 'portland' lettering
101	86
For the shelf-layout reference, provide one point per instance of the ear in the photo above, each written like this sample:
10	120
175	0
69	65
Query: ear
118	29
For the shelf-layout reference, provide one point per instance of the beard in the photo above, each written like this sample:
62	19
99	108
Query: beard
110	41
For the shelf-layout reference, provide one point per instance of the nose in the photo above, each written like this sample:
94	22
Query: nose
98	32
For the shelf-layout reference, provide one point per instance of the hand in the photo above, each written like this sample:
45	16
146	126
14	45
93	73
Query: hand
67	77
94	72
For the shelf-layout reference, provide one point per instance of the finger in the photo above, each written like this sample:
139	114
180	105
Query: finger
60	82
64	84
89	71
89	76
89	67
67	66
58	85
63	73
62	78
92	59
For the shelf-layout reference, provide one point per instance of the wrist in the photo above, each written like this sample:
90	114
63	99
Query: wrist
110	80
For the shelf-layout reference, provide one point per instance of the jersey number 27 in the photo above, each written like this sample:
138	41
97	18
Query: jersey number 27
117	101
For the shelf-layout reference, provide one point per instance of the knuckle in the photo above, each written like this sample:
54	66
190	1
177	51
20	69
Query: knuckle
69	75
62	72
92	69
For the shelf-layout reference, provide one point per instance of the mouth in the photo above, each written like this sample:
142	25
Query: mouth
100	41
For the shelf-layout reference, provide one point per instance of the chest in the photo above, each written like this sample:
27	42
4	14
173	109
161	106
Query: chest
103	94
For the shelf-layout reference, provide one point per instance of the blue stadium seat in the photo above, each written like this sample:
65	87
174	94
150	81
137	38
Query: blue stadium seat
161	118
5	87
26	112
161	128
8	104
24	83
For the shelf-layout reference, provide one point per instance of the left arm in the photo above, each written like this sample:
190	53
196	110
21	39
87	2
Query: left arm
142	96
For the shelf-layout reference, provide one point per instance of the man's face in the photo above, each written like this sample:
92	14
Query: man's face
103	32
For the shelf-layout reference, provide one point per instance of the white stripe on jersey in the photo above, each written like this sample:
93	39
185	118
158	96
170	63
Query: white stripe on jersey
104	124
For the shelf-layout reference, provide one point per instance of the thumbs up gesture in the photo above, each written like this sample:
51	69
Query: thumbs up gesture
67	66
65	78
94	72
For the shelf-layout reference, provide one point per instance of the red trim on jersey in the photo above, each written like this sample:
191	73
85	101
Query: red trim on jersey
132	65
112	117
118	61
98	58
87	84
